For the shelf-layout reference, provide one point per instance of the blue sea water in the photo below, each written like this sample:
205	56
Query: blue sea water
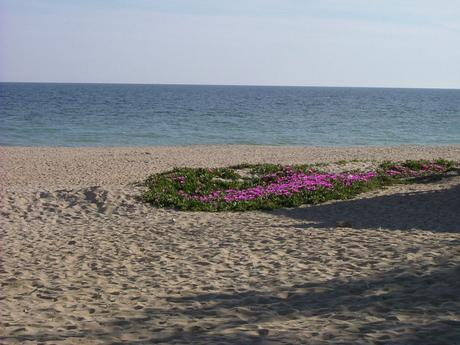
42	114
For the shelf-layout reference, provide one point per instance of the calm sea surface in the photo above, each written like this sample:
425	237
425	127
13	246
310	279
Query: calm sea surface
149	115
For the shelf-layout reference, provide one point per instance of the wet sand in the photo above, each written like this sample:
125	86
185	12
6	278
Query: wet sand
83	261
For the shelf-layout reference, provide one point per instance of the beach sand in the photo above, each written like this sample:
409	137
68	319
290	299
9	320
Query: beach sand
83	261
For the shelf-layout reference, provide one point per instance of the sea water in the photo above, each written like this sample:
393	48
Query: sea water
47	114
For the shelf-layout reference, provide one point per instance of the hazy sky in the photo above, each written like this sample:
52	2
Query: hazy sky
400	43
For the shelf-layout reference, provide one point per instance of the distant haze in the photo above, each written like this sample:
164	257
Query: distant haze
390	43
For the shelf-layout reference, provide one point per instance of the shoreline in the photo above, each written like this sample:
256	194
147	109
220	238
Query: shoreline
445	146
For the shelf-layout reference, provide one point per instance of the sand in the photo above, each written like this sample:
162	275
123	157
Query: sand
83	261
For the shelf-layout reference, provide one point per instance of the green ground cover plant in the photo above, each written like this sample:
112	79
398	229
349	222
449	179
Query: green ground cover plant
268	186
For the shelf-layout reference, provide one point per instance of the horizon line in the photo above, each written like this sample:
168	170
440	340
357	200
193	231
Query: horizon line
242	85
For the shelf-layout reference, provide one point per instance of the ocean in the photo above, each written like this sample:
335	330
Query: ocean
48	114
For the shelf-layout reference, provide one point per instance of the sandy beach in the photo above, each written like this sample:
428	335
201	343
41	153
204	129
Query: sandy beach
84	261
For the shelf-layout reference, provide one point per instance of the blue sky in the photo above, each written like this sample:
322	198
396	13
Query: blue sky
392	43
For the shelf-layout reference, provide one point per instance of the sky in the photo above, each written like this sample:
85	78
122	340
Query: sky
370	43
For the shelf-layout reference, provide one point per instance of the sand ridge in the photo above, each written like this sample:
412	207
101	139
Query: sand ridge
84	262
60	168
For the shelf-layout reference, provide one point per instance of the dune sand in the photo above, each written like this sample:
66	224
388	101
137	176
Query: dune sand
83	261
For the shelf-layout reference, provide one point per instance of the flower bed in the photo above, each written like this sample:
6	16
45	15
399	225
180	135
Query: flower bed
268	186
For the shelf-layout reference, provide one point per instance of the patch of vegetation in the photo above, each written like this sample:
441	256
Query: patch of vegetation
268	186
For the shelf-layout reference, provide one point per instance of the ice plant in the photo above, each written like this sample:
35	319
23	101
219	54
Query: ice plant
270	186
287	186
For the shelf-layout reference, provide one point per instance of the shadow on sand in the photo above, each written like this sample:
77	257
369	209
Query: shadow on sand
437	211
398	307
